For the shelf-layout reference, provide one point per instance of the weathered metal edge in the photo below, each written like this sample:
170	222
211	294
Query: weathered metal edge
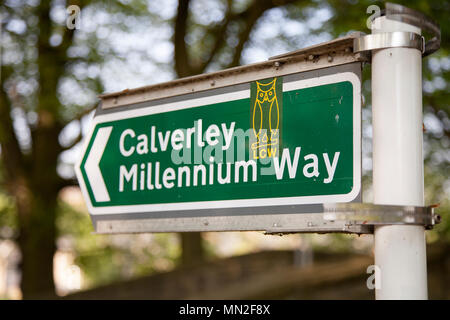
375	214
270	224
327	54
325	47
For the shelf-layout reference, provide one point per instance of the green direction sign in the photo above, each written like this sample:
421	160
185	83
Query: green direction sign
272	142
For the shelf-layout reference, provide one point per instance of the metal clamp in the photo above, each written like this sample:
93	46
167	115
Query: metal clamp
389	40
402	39
400	13
373	214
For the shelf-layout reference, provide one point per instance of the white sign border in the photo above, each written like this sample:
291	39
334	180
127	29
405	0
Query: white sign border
222	204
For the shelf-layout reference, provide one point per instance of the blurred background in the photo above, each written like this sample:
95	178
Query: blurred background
54	63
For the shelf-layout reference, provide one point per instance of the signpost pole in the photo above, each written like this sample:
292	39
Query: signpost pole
400	250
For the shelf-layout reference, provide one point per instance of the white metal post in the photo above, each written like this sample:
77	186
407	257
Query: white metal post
400	250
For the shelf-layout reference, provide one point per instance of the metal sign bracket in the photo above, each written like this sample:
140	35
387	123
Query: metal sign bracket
389	40
402	39
373	214
360	218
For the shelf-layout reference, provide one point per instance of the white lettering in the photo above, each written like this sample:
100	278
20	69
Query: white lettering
314	165
227	135
128	175
330	168
163	141
177	139
211	135
168	175
245	165
123	151
286	158
142	146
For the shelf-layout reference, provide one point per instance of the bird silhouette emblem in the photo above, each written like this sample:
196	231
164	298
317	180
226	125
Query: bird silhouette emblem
266	119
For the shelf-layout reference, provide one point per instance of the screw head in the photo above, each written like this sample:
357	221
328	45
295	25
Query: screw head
437	218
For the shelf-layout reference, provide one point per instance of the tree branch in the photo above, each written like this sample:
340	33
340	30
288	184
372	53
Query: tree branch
219	32
251	16
63	183
182	63
11	153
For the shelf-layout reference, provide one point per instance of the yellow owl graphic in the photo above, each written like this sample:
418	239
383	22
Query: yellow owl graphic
266	115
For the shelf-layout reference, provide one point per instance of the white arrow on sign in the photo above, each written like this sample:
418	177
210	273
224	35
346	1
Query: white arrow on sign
92	167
